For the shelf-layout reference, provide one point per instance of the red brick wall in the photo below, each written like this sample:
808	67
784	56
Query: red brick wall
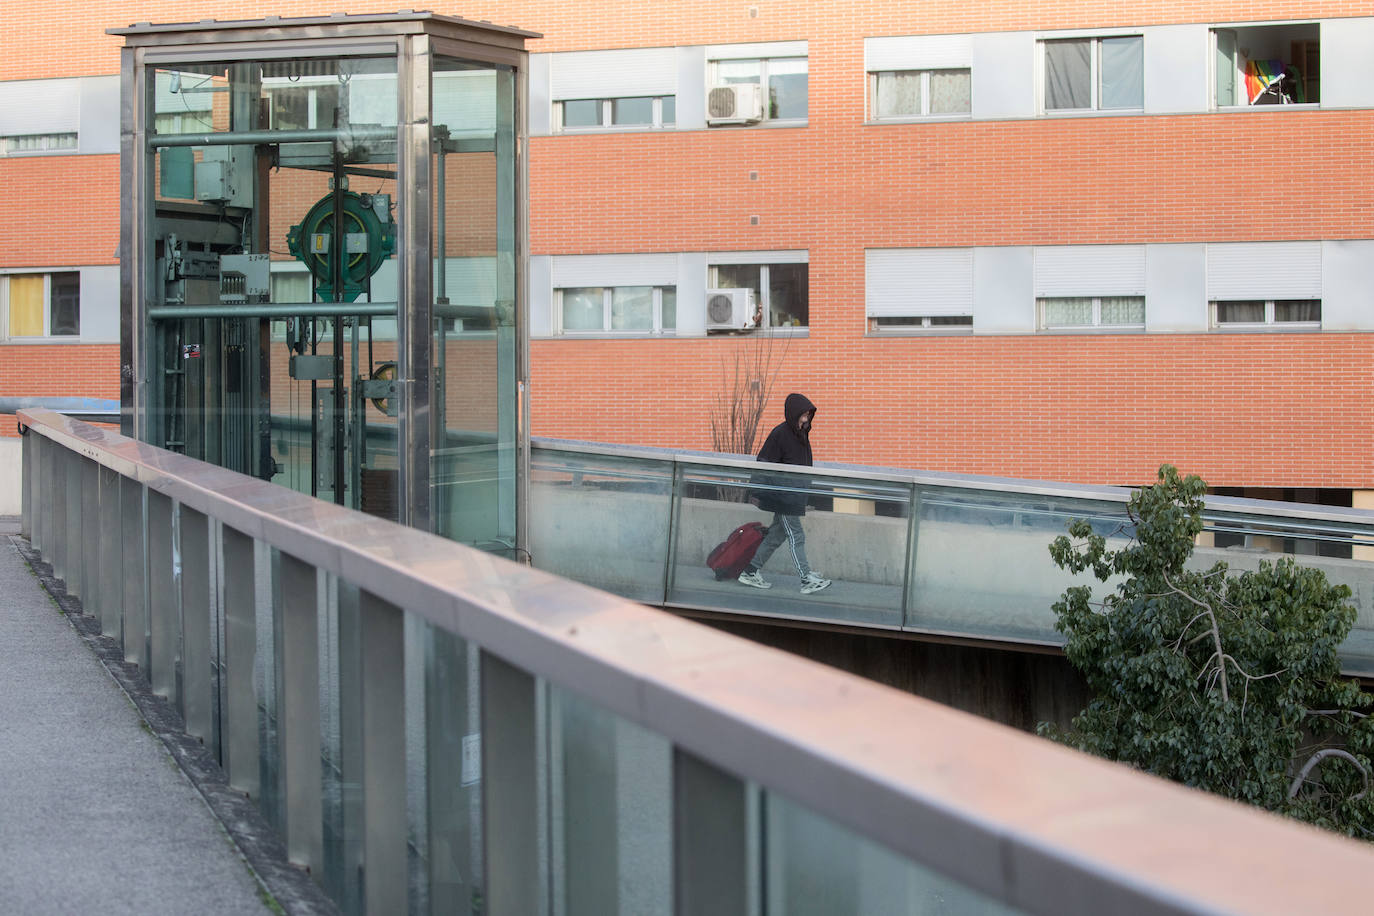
1261	410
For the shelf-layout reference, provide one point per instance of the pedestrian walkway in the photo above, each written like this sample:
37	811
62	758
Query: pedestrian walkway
95	815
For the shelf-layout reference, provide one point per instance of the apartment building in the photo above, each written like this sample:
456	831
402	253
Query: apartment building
1067	241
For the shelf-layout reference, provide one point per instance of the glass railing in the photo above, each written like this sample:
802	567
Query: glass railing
938	554
434	729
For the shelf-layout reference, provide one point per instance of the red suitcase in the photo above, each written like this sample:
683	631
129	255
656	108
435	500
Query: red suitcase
730	556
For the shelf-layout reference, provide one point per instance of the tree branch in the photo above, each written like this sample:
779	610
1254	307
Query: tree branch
1317	758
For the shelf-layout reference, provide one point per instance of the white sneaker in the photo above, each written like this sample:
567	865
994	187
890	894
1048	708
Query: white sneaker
813	583
755	579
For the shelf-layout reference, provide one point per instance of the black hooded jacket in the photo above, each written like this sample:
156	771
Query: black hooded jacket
785	445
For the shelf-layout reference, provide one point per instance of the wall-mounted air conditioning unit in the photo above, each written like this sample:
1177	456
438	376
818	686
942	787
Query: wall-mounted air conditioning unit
734	103
729	309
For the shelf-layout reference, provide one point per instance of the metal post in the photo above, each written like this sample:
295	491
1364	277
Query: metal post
163	631
415	243
132	536
239	741
510	806
300	705
33	488
110	582
384	757
71	531
196	614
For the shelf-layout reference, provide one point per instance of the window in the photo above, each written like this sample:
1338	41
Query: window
782	82
642	112
781	290
1076	312
1266	313
1267	65
32	144
1094	74
919	93
920	323
41	305
641	309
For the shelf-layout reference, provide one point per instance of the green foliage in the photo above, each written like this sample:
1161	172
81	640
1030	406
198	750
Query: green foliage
1228	683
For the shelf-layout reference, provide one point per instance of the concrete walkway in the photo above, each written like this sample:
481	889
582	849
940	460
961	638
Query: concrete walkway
95	815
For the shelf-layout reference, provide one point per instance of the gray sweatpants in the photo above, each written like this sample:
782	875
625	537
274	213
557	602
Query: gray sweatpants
784	528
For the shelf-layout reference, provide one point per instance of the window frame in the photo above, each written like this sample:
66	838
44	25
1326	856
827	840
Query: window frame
925	114
607	113
1214	50
713	80
1269	324
764	299
66	149
47	336
607	299
906	325
1096	326
1095	108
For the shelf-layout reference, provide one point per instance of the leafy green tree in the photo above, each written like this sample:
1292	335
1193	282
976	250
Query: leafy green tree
1228	683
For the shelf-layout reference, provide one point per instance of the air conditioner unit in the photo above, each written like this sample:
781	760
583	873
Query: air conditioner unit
734	103
729	309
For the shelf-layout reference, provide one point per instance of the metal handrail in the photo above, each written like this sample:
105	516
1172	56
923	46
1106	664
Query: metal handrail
1362	519
1030	823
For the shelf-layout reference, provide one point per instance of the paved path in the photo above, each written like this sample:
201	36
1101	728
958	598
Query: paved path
95	816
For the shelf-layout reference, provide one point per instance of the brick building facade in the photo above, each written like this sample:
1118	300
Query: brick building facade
1046	240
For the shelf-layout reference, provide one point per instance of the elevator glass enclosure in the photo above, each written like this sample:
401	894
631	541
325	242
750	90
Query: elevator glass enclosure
323	251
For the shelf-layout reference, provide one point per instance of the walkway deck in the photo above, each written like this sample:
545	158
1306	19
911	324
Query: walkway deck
95	815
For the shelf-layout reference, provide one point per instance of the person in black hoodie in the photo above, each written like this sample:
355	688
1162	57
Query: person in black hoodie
788	443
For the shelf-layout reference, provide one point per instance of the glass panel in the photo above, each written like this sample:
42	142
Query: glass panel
632	111
1068	80
582	113
951	92
592	508
281	400
1298	310
584	309
473	465
815	867
341	737
669	109
669	308
787	87
1227	74
26	305
983	565
453	747
1067	313
632	308
1345	553
1123	310
897	94
65	306
610	793
1240	312
738	71
788	295
736	276
833	516
1123	72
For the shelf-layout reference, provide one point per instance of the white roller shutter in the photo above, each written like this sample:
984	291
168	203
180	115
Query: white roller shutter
39	107
795	256
1090	270
918	52
1264	270
613	74
471	281
465	100
918	281
614	270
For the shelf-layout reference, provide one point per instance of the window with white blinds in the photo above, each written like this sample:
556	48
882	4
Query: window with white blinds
613	74
905	283
1264	270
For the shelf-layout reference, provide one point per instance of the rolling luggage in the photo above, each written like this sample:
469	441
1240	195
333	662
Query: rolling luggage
730	556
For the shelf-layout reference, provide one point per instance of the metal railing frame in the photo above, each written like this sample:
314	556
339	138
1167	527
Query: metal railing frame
1032	824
